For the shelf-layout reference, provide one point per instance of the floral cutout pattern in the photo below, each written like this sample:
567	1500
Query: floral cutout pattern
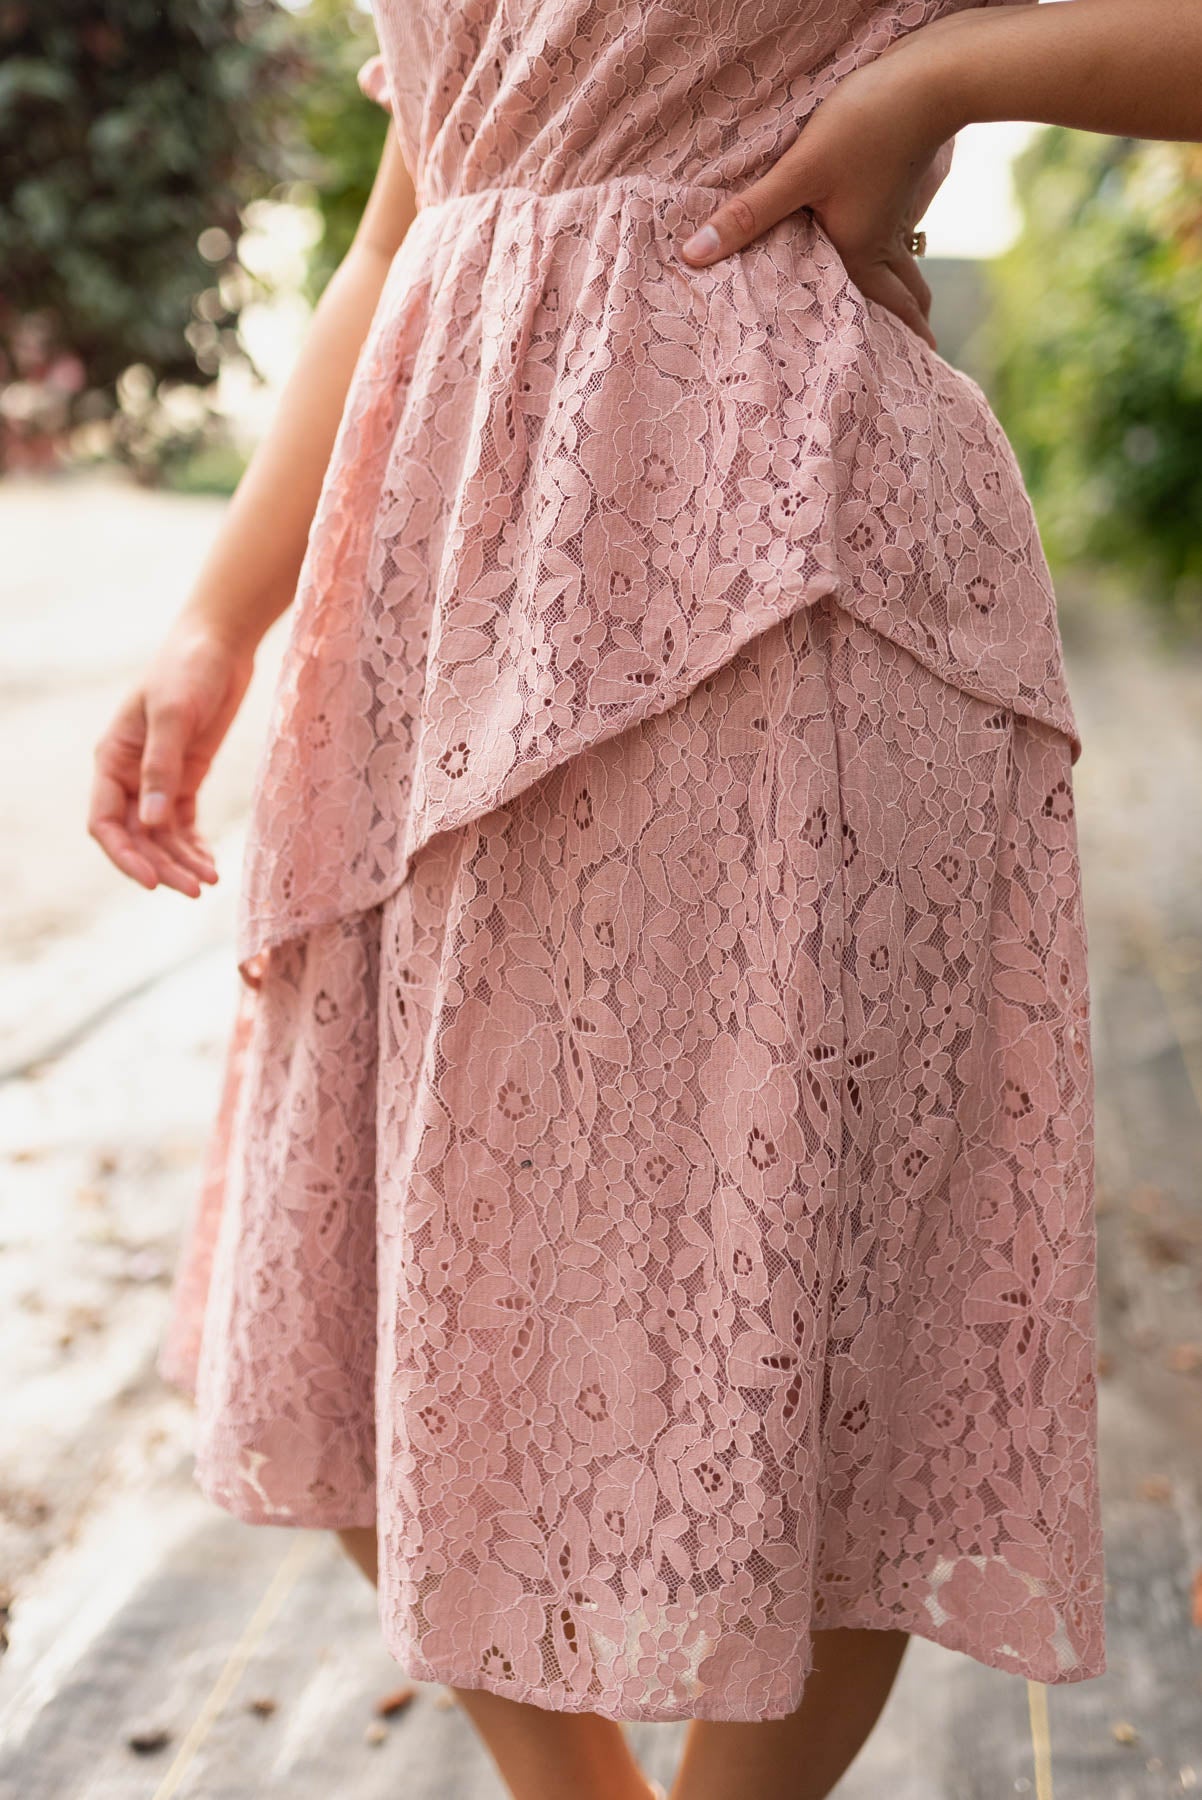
709	1133
574	475
653	1175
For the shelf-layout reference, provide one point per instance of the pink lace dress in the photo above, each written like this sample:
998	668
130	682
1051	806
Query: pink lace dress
653	1175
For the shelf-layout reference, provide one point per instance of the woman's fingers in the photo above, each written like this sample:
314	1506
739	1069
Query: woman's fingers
155	753
106	824
118	846
172	873
145	859
171	856
158	849
189	853
905	266
896	280
897	283
883	282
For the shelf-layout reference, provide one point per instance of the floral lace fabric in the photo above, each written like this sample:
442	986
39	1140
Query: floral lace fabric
653	1176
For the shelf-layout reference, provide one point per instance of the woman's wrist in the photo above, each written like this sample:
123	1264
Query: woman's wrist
945	59
250	574
237	629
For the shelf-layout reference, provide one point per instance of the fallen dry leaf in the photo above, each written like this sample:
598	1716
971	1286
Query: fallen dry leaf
392	1703
263	1704
1156	1487
376	1733
1163	1249
1196	1598
1123	1733
147	1739
24	1507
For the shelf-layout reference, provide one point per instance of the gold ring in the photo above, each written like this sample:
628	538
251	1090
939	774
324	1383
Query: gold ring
918	243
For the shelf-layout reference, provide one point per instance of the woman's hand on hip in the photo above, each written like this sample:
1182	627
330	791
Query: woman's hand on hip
862	165
149	763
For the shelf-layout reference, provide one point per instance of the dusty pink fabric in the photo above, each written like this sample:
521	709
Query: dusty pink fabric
653	1175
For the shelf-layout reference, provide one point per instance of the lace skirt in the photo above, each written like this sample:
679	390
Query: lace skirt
668	1216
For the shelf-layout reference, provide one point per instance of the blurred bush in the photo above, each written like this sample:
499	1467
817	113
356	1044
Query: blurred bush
1094	356
133	135
343	131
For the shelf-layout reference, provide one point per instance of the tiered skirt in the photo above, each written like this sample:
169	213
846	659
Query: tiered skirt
667	1215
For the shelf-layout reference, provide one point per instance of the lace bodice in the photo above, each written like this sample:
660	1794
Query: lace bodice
551	94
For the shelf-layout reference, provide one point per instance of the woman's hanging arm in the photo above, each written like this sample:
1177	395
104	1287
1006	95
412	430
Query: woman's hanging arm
250	574
152	757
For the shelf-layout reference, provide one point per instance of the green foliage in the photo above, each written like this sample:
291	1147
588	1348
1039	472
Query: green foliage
344	130
215	468
1094	348
132	134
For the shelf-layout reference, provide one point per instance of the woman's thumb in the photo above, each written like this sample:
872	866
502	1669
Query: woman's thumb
783	190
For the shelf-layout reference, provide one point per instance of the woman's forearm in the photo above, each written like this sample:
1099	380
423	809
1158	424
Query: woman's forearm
249	576
1130	68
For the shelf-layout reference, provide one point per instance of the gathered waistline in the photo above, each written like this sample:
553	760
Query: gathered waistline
675	187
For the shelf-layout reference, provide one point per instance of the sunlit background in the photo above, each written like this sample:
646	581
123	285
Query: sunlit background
975	212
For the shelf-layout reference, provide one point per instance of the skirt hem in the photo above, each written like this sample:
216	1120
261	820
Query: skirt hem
863	1616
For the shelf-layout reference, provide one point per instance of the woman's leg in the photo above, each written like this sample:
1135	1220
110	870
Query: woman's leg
798	1758
359	1542
546	1755
541	1755
803	1756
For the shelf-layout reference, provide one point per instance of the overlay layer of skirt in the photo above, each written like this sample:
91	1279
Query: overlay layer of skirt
574	478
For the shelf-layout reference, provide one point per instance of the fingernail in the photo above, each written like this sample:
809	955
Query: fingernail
702	243
153	809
